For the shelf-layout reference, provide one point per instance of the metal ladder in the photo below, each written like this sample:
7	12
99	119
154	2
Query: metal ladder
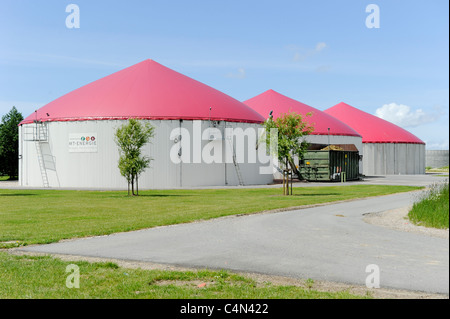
38	133
236	164
41	164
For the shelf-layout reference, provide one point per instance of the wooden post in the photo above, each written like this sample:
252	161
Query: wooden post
291	180
137	186
286	182
287	177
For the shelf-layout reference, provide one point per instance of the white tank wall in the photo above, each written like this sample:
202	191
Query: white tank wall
393	159
99	170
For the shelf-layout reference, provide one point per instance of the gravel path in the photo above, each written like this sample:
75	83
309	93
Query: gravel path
397	219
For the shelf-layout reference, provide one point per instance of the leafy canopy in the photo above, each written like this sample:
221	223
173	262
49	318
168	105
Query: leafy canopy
130	138
9	143
292	127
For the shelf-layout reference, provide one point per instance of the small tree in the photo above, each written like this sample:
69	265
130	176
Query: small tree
291	129
130	138
9	143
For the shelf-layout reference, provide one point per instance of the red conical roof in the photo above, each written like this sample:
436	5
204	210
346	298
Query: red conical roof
372	128
147	90
279	104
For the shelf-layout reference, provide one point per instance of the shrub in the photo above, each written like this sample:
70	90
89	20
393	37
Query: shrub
432	208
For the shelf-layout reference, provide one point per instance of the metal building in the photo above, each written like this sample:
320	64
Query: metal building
388	149
327	129
70	142
330	164
436	158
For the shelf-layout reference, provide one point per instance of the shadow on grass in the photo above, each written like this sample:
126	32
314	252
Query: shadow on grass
158	195
327	194
310	195
17	194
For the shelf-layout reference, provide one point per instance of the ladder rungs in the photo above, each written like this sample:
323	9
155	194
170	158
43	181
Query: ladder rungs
41	164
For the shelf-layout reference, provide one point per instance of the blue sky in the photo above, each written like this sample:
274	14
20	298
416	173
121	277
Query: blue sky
317	52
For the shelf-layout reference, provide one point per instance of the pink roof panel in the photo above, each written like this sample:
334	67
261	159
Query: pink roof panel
279	104
372	128
147	90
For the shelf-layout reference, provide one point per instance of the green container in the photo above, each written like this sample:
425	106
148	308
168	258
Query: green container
329	165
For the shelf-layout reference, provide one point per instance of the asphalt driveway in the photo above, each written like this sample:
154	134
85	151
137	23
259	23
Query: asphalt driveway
330	242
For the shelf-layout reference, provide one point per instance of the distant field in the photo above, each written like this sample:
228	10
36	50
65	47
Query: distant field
44	216
437	170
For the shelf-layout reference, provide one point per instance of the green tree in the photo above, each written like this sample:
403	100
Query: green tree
9	143
291	128
130	138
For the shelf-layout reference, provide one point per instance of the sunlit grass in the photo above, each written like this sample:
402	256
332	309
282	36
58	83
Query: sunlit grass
43	277
44	216
432	209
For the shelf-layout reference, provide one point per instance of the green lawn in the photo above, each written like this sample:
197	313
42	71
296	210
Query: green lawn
44	216
44	277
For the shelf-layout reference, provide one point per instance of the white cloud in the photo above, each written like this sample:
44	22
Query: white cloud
323	68
402	115
440	145
320	46
239	75
302	54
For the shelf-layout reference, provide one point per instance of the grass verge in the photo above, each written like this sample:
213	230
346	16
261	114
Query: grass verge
44	277
432	209
443	169
45	216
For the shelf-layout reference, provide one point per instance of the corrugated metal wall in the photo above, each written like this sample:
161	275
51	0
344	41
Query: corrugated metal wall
330	165
98	170
393	159
437	158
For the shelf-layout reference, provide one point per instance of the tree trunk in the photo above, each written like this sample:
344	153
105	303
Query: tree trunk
294	169
292	177
287	177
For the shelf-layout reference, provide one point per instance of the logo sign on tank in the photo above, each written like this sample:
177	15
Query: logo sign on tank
83	142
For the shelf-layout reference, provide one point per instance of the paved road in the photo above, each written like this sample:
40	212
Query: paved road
329	242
